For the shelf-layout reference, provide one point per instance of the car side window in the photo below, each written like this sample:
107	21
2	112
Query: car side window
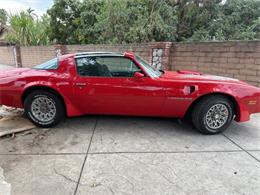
49	65
106	66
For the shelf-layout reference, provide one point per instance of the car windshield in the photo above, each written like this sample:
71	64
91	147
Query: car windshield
153	72
49	65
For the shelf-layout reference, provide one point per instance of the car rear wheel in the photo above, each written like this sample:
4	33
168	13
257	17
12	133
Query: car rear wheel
213	114
43	108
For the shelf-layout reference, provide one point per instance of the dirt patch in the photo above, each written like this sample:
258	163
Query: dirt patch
9	111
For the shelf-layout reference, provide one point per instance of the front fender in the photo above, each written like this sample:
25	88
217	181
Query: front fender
245	97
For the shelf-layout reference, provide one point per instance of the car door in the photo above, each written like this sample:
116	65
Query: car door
106	85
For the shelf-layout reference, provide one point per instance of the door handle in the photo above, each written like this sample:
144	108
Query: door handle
81	84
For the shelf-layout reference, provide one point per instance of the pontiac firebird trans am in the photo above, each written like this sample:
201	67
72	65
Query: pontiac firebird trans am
124	84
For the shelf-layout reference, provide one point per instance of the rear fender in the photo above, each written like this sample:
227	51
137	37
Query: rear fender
71	110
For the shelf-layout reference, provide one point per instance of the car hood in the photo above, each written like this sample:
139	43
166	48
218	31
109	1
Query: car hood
197	76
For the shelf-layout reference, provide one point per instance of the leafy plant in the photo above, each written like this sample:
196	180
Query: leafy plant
27	29
129	21
234	20
65	21
3	19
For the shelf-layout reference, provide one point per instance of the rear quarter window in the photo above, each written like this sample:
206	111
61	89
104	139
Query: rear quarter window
49	65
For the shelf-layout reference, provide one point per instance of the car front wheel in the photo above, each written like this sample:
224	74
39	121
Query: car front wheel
43	108
213	114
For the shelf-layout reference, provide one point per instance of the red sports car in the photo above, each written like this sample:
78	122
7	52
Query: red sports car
124	84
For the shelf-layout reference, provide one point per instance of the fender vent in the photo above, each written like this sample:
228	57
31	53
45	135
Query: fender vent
192	89
189	89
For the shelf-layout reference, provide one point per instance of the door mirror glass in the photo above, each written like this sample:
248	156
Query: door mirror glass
138	75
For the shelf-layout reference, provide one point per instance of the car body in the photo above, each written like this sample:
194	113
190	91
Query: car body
129	87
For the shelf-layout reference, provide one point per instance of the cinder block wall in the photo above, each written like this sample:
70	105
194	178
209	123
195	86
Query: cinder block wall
6	55
234	59
37	54
144	50
238	59
34	55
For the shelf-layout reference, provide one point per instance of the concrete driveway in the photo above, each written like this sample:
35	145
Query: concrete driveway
129	155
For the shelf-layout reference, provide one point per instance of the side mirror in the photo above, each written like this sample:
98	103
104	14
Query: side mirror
138	75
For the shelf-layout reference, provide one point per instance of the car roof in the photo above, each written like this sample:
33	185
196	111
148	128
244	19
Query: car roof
101	53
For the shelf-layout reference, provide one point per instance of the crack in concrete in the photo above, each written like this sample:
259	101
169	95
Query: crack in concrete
150	168
85	159
246	151
64	176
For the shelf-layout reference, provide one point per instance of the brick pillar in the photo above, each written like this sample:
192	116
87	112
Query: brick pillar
161	55
17	56
60	49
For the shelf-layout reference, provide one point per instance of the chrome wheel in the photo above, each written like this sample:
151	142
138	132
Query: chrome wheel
43	109
217	116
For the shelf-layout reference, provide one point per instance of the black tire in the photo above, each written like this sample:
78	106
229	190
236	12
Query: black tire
201	109
57	102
